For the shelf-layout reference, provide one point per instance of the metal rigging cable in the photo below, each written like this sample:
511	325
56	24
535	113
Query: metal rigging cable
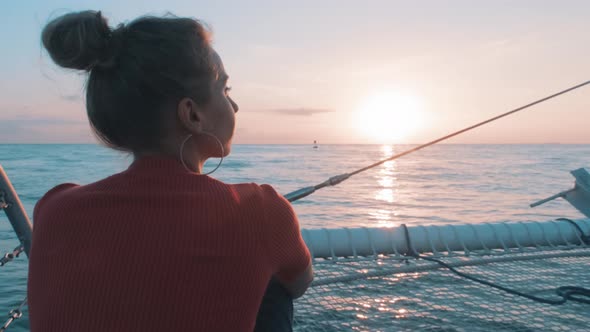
298	194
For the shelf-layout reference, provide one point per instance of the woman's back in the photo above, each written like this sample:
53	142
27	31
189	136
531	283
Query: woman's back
157	247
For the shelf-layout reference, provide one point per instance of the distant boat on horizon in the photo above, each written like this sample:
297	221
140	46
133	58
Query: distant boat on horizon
315	145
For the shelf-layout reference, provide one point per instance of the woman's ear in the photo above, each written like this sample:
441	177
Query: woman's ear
189	115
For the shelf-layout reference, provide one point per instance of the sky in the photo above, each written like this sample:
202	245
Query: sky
339	72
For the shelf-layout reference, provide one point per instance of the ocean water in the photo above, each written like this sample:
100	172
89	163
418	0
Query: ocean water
438	185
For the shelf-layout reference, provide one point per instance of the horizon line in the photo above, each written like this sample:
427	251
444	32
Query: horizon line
549	143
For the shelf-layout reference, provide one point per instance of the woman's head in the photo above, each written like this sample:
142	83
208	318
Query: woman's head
150	82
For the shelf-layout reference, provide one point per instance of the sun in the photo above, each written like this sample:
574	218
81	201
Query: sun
389	117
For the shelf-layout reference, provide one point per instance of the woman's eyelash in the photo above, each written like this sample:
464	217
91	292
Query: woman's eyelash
227	89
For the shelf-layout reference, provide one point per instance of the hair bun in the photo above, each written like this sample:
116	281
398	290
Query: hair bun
77	40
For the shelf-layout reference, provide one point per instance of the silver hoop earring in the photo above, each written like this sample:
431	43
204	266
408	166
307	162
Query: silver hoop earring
181	150
186	140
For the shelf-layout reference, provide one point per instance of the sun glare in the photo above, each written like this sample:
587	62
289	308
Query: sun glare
389	117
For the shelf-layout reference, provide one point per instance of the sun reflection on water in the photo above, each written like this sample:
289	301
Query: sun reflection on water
374	308
386	192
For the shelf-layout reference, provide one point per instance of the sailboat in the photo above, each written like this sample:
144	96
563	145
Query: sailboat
400	279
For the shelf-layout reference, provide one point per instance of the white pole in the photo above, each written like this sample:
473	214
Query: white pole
345	242
15	211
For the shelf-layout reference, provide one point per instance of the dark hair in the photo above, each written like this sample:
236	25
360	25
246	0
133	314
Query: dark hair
137	71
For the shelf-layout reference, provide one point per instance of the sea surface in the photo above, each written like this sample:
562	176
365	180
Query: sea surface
442	184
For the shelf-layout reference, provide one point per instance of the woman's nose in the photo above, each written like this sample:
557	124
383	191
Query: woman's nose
234	105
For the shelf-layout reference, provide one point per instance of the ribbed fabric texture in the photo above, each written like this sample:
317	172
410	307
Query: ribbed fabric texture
156	248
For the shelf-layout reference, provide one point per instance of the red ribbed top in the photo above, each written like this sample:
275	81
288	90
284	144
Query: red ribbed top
156	248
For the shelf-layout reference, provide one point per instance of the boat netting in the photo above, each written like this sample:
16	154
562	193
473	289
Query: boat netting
393	293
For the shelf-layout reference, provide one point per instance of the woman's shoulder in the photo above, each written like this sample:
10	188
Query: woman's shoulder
58	190
53	194
70	190
260	191
260	197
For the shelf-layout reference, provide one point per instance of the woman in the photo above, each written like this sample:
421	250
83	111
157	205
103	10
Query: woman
160	246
